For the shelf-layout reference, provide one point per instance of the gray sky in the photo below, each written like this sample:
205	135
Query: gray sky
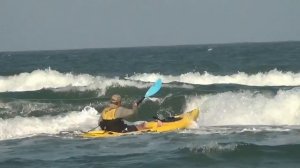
69	24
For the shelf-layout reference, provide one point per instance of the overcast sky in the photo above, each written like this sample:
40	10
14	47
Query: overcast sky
70	24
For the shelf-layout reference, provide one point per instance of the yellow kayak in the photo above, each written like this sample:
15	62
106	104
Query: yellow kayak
177	122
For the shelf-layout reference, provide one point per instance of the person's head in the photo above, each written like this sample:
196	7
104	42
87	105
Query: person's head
116	99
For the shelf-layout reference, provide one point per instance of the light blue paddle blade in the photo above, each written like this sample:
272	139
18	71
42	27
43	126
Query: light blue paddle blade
154	88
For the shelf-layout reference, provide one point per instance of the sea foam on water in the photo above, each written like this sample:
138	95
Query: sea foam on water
247	108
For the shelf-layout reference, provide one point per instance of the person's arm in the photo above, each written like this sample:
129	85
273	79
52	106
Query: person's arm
125	112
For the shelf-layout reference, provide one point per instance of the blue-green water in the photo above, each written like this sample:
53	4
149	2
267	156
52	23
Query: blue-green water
248	93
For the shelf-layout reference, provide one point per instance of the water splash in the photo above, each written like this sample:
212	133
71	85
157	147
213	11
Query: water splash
248	108
20	127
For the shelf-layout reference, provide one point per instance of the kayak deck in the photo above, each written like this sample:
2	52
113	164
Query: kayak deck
176	122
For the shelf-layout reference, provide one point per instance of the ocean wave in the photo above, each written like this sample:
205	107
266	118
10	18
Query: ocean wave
20	127
247	108
48	78
248	129
209	148
233	150
271	78
43	79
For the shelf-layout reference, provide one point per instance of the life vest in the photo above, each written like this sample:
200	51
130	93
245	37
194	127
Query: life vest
109	113
110	122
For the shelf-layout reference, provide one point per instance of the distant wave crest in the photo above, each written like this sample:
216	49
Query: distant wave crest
270	78
48	78
43	79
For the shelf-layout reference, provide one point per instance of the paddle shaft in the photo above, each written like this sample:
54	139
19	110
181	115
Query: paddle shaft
140	101
151	91
93	128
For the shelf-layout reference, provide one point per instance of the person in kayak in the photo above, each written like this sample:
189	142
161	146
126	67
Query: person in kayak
112	117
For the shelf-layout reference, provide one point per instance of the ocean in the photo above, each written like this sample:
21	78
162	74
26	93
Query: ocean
248	94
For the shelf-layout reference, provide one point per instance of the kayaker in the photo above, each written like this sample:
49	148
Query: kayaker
112	117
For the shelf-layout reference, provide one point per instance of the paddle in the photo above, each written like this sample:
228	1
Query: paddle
93	129
152	90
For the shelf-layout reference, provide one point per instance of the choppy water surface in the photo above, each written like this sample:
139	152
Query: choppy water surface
249	97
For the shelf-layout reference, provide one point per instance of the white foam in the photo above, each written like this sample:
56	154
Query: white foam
248	108
39	79
48	78
211	147
20	127
226	130
271	78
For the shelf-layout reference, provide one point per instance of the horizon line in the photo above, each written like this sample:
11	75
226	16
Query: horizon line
147	46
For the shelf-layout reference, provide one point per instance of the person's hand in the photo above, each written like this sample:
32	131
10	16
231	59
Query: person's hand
134	105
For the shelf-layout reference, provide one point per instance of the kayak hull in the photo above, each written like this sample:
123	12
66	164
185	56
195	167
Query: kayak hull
174	123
